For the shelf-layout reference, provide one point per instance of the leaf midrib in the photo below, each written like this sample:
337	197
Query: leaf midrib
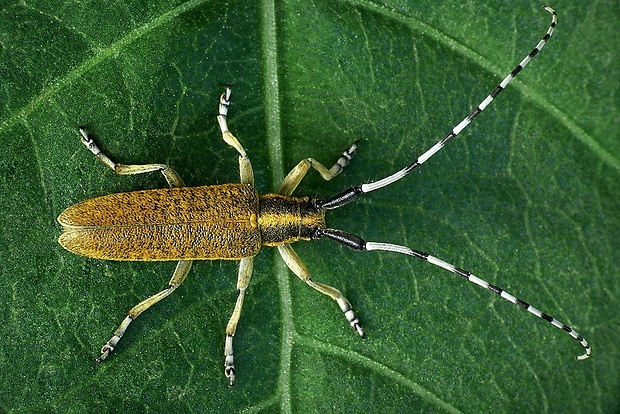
274	143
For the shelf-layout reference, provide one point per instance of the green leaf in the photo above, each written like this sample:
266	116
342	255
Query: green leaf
526	198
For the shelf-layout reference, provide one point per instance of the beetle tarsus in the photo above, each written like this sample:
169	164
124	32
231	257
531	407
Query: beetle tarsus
355	323
351	316
105	351
229	361
230	374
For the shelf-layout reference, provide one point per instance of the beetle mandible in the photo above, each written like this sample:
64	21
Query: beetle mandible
233	222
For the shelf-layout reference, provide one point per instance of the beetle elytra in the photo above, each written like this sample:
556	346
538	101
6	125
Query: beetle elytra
233	222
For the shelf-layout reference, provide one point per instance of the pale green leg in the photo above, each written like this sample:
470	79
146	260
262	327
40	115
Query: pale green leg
245	167
297	266
243	280
297	174
179	275
174	180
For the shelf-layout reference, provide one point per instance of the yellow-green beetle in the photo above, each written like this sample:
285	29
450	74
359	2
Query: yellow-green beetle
233	222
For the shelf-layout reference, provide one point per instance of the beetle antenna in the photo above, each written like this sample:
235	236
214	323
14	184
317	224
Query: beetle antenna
349	195
357	243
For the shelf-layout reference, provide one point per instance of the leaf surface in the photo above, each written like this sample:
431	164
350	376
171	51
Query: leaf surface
526	198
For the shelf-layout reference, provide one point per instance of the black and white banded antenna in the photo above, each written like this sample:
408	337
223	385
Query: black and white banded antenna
352	193
357	243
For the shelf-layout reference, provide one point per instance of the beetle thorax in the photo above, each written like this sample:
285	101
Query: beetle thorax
284	219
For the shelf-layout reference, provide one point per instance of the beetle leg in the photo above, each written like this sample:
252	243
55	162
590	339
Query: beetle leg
174	180
297	266
178	277
243	280
245	167
297	174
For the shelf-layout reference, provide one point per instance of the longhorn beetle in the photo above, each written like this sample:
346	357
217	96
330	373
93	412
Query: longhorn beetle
233	222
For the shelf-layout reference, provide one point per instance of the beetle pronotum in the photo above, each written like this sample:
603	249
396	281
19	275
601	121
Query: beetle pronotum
233	222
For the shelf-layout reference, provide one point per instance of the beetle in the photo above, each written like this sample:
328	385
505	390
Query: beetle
233	222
